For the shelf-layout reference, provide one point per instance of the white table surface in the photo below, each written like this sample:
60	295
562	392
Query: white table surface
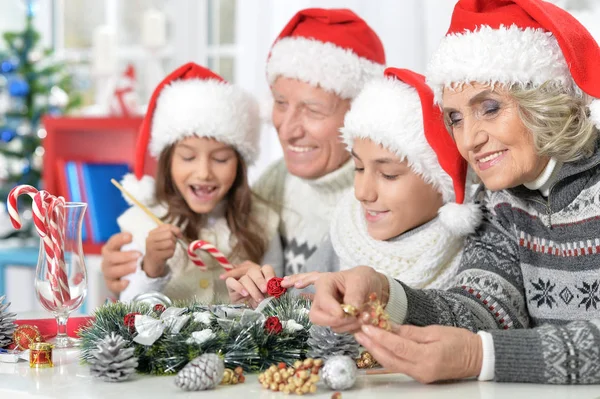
69	379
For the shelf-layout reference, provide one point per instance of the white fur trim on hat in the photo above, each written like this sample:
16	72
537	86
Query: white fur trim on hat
206	108
497	56
460	219
142	190
595	112
388	112
321	64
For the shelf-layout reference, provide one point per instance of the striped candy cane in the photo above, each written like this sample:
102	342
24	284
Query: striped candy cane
37	207
56	224
214	252
46	210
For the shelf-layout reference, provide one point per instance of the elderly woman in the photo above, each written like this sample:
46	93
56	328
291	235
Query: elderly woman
518	102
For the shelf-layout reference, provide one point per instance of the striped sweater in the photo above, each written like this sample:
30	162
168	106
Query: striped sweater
531	276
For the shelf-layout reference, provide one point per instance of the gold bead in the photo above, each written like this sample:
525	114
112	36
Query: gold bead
313	388
305	388
286	390
227	374
297	364
273	368
308	362
282	387
314	378
234	380
204	283
274	386
298	391
276	377
265	384
318	362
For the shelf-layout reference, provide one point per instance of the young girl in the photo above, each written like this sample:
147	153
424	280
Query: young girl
403	217
205	133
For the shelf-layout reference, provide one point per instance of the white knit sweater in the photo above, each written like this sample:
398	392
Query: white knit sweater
425	257
185	280
305	207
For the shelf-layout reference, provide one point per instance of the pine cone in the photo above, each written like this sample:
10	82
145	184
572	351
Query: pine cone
7	324
204	372
112	362
324	343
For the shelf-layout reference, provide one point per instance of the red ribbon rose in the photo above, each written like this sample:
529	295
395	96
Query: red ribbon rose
273	325
159	308
129	320
274	287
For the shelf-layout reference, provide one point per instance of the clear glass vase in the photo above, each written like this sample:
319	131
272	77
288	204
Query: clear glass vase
61	282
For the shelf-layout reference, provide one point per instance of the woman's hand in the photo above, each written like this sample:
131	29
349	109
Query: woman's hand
160	247
427	354
251	287
350	287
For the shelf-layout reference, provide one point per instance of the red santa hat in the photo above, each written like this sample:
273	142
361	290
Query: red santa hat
398	112
193	101
334	49
522	42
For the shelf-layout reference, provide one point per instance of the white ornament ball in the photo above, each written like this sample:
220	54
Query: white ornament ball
58	97
339	373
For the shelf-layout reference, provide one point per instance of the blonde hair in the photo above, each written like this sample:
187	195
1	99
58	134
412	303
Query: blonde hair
558	118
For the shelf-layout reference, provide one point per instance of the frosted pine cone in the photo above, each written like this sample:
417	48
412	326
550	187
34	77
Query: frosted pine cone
7	323
324	343
112	362
204	372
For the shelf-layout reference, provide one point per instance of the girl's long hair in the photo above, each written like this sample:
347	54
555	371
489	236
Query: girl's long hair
250	243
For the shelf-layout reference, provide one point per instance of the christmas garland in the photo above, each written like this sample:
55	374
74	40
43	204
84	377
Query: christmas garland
165	339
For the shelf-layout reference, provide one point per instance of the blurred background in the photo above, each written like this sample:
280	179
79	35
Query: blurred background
75	77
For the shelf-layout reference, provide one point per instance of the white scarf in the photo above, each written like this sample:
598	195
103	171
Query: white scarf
425	257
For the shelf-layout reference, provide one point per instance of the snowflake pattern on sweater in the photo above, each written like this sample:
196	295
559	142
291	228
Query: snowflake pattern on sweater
305	207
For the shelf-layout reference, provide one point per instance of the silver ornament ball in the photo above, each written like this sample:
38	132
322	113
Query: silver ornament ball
339	373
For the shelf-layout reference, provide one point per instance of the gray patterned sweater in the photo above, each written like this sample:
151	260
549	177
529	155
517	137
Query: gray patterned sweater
530	275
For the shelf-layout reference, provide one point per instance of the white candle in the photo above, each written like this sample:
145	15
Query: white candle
154	29
104	59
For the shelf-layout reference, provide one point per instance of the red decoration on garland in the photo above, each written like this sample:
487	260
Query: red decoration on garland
159	308
274	287
273	325
129	320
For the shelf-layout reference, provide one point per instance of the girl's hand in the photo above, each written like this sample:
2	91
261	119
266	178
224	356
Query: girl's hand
251	287
300	280
160	247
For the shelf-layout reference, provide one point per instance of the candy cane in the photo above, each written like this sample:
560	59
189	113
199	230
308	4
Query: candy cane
47	209
214	252
39	216
55	217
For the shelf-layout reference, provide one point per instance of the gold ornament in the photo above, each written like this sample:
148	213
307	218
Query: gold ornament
366	361
233	377
374	313
350	310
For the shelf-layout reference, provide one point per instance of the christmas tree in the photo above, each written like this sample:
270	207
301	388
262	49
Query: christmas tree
32	85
